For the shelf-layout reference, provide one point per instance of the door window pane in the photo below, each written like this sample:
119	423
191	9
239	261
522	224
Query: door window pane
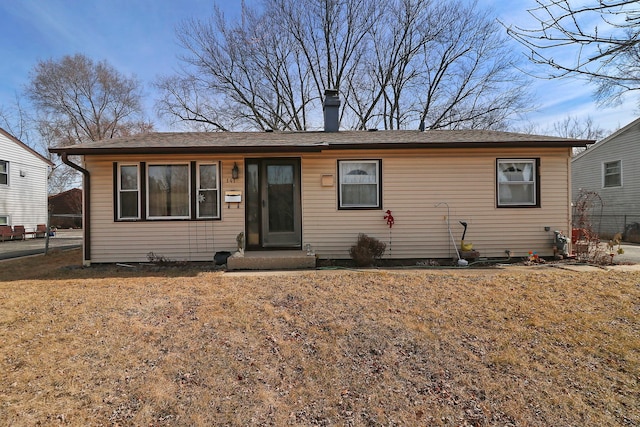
280	190
253	205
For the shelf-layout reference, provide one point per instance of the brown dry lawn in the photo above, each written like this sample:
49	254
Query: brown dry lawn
186	346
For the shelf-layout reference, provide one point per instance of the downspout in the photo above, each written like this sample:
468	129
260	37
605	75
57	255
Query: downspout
86	220
570	204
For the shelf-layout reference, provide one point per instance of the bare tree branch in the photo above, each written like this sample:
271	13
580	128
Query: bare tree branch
599	41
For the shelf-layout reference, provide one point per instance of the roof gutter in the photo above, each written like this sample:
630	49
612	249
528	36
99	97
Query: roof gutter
86	186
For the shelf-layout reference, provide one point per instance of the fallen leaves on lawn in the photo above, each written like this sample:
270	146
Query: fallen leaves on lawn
186	346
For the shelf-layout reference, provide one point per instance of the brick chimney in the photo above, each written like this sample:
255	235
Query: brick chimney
331	107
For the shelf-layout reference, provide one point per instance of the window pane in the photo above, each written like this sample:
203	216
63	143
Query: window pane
208	203
612	181
364	195
4	220
208	177
129	204
517	194
510	172
129	177
168	190
358	172
3	166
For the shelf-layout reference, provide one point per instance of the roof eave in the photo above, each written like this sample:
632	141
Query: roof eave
73	151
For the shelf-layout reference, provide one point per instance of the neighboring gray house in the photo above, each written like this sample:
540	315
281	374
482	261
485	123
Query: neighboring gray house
611	168
23	184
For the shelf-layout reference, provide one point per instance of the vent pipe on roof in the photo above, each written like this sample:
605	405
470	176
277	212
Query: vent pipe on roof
331	107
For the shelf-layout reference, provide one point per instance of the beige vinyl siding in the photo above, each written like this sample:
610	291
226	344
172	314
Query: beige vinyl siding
180	240
414	182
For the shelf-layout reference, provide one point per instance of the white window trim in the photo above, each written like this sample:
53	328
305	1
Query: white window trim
378	204
534	181
604	169
217	189
147	198
120	190
7	173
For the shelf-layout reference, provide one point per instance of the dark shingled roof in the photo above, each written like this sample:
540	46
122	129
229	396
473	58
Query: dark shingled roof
245	142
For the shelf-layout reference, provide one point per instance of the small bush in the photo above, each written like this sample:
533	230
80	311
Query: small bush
367	250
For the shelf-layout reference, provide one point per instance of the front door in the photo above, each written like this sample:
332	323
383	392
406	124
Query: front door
273	218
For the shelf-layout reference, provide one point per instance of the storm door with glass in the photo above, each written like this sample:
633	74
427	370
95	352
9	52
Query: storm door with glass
273	203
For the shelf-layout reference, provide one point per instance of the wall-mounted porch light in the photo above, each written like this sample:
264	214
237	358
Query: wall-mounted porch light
235	171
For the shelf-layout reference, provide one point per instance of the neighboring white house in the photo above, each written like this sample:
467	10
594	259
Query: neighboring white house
23	184
611	168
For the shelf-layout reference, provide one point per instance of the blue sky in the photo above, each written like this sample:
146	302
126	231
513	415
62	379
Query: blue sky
137	37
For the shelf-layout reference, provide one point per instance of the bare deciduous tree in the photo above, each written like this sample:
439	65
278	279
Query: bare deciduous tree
396	63
572	127
599	40
92	100
77	100
576	128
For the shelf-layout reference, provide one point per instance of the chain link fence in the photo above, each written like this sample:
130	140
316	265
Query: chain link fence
608	225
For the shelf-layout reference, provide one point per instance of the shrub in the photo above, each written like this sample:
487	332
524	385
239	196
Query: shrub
367	250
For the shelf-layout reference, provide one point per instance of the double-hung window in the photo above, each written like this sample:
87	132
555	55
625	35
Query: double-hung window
612	174
4	172
208	192
517	183
128	192
359	184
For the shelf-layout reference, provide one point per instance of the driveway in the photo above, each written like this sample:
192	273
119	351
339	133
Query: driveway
631	254
64	239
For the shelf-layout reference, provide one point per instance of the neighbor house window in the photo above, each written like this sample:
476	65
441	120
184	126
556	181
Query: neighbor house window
168	191
4	172
612	174
128	192
208	192
4	219
359	184
517	183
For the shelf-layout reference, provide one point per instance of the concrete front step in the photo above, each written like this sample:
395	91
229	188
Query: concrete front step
271	260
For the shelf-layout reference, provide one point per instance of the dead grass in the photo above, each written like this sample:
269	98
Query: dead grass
183	346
